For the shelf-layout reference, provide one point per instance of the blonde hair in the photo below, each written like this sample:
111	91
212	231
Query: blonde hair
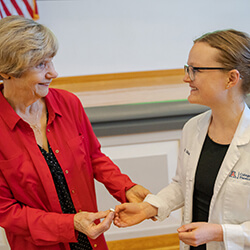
24	43
234	47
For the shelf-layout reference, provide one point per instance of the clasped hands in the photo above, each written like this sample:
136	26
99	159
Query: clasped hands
85	221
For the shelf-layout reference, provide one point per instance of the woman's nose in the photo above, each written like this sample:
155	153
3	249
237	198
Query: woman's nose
186	77
51	73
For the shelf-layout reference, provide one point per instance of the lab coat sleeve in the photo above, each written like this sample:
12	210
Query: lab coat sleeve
236	237
171	197
167	200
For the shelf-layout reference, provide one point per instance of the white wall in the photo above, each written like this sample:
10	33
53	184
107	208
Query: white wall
107	36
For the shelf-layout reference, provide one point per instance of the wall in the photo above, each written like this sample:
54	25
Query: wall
108	36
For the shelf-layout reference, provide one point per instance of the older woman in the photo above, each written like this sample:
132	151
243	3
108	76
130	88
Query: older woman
212	181
49	155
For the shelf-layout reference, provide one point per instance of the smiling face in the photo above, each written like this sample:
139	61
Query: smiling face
24	43
33	84
208	87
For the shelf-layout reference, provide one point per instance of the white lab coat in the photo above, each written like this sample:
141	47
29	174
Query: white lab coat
230	203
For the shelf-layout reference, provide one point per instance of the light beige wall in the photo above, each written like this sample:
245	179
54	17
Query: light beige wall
108	36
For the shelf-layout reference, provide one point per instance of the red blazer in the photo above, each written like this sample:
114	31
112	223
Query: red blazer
30	211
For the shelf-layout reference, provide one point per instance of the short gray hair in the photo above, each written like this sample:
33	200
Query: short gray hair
24	43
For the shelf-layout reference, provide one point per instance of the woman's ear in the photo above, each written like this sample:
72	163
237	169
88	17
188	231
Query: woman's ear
233	78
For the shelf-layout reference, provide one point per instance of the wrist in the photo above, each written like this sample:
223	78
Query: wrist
76	222
219	234
149	210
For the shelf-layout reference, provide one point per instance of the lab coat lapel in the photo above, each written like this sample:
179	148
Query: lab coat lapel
241	137
195	150
197	144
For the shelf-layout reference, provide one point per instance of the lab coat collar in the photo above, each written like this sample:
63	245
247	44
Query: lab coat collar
242	133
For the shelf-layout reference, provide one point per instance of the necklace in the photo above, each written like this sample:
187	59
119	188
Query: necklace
36	117
34	121
36	127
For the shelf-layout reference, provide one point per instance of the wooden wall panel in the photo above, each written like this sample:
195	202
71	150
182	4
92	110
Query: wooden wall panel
119	80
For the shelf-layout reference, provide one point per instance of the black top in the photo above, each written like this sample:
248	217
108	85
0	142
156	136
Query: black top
211	158
64	196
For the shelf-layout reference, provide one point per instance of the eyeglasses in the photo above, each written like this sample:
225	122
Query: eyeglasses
190	70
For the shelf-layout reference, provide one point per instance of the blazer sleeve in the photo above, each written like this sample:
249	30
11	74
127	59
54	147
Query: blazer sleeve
38	226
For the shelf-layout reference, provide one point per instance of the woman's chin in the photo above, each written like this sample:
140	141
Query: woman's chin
191	99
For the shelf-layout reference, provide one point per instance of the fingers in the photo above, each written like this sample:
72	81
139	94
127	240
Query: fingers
196	233
191	226
120	208
117	220
187	235
119	223
137	193
186	228
129	214
99	215
103	226
84	222
153	219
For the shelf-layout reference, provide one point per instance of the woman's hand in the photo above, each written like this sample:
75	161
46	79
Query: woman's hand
129	214
198	233
137	193
84	222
